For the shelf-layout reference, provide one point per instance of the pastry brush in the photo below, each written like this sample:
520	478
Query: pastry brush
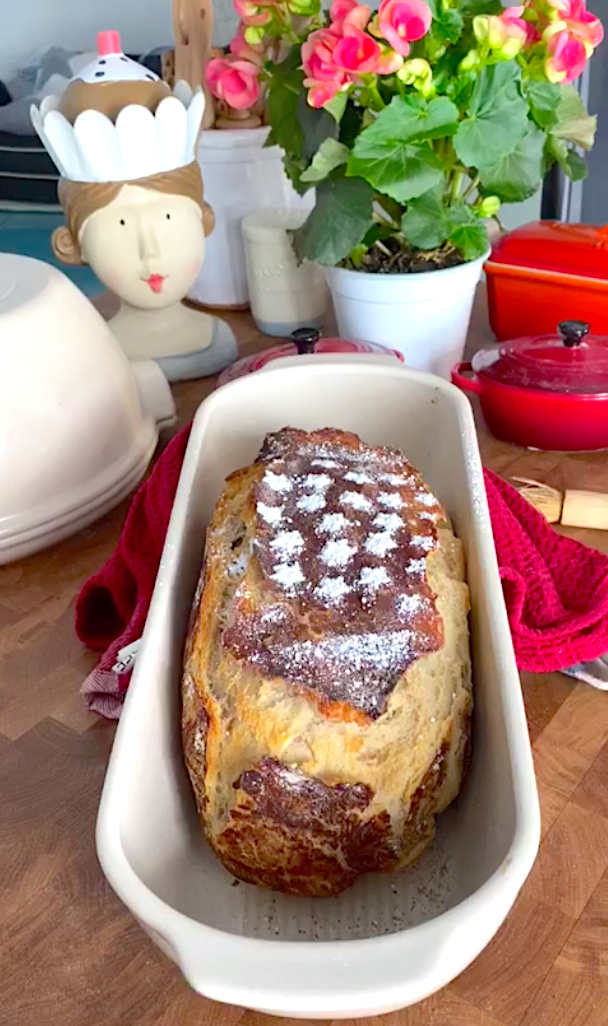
572	508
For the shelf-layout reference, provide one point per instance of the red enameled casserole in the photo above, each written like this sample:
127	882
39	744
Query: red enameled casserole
545	270
544	392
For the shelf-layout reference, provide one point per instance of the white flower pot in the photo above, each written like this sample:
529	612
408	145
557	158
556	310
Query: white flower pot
425	316
240	176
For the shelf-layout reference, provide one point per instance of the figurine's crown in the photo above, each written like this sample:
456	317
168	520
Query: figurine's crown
140	143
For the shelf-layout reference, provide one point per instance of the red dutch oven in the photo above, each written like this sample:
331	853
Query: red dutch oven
302	342
548	392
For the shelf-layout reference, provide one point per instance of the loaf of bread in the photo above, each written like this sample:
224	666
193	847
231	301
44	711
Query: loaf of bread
327	688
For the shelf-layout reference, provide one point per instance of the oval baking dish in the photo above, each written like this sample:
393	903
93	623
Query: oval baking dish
390	940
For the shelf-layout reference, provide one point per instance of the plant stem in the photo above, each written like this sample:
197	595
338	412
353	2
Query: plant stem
456	183
471	187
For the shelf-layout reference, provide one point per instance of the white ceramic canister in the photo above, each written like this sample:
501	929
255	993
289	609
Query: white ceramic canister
284	295
425	316
240	175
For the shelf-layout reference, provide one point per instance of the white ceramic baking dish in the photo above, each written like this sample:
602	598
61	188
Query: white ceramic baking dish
390	940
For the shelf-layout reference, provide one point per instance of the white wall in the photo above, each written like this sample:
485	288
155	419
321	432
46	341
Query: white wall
30	27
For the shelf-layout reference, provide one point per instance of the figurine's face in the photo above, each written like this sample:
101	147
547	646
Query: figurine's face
145	246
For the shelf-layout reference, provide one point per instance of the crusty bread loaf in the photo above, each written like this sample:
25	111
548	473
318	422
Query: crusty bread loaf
326	690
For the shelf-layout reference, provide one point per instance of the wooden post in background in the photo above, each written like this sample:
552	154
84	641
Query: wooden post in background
193	31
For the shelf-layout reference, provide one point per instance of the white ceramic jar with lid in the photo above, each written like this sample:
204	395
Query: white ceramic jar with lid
284	295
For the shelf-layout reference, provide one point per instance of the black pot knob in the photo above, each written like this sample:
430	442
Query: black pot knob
305	340
573	332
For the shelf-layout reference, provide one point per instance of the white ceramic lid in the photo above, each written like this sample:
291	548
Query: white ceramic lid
72	420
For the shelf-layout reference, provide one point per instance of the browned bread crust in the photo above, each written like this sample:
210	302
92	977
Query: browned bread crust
326	691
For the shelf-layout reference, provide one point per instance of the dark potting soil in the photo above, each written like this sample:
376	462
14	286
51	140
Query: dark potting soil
399	261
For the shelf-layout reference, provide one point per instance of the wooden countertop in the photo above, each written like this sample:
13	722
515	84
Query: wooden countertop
71	954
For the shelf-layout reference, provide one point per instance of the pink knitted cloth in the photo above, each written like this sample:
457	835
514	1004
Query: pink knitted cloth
556	590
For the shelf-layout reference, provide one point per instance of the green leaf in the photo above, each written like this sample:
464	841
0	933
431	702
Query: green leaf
282	103
573	123
393	155
518	175
350	125
330	155
411	120
337	224
316	126
447	26
473	7
337	106
471	239
576	166
544	98
571	163
400	170
426	223
497	116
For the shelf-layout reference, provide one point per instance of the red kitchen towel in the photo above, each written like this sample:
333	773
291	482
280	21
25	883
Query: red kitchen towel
556	590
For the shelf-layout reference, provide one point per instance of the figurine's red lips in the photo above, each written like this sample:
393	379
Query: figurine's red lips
155	281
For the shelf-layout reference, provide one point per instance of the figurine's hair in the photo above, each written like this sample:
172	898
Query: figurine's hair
81	199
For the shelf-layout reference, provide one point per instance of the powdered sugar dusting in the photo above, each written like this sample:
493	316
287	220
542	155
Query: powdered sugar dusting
311	503
288	575
388	521
278	482
373	577
392	500
271	514
332	590
426	499
273	614
409	605
337	553
333	523
379	544
422	541
338	537
356	500
358	477
317	481
287	543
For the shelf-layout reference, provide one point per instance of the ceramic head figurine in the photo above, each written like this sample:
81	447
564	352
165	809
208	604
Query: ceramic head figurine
132	193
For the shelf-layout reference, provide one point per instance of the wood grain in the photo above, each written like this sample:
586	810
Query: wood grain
71	955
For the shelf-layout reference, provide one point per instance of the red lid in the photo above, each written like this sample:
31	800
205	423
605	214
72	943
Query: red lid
571	362
308	341
580	249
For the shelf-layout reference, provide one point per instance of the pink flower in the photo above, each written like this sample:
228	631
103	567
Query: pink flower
252	13
401	22
357	53
321	93
318	57
240	48
338	11
234	81
512	16
566	58
582	24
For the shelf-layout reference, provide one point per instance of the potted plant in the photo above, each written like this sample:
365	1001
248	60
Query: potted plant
414	125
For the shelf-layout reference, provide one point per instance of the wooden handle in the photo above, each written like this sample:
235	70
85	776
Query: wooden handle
585	509
193	31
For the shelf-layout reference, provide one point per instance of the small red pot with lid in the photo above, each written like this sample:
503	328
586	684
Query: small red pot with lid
303	341
544	392
546	266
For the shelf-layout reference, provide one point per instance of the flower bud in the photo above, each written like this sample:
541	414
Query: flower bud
489	207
